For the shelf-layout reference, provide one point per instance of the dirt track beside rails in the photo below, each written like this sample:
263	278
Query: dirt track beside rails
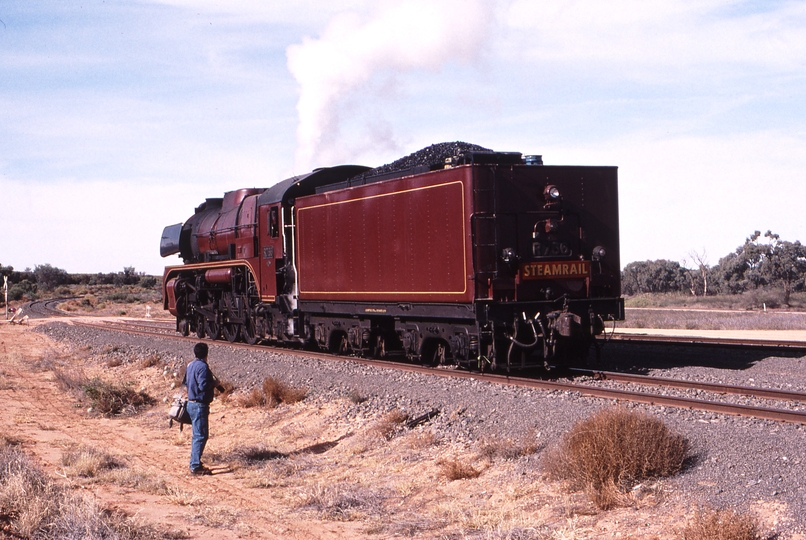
337	466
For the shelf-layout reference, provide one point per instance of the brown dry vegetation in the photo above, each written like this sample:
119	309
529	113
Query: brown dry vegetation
304	470
609	453
721	525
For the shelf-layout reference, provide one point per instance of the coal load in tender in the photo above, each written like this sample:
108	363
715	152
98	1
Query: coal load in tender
428	158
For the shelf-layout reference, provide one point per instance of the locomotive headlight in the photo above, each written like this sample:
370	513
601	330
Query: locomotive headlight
508	255
598	253
551	193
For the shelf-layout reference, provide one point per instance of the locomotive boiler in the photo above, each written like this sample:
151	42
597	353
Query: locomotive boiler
453	255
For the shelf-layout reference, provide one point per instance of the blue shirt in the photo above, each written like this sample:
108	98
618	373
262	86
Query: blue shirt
199	380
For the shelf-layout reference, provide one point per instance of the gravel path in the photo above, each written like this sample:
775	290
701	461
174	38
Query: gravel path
739	461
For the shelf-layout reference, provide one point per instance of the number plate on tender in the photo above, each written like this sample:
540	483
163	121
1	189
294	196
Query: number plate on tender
550	249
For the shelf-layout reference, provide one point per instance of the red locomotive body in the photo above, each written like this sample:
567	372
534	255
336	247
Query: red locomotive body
481	258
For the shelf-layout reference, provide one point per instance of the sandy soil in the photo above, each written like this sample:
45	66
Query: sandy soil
339	478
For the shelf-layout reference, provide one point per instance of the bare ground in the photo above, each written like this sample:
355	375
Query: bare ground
302	471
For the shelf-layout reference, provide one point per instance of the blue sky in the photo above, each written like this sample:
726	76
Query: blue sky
118	118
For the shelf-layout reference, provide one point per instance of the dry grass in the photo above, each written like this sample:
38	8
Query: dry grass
713	320
389	424
272	393
610	452
721	525
87	462
225	390
456	469
343	501
32	506
70	379
108	399
509	449
152	360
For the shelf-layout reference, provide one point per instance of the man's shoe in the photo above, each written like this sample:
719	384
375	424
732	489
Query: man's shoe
201	471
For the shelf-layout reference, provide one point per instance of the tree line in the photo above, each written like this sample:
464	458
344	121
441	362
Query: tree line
44	278
762	261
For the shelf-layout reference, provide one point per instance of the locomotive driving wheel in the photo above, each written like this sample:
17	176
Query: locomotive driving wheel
212	329
249	332
231	331
201	327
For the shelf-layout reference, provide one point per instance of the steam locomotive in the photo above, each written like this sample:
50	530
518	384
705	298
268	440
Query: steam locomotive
455	254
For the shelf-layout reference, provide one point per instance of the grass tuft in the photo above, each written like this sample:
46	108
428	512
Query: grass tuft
607	454
151	360
389	424
272	393
108	399
32	506
87	462
721	525
454	469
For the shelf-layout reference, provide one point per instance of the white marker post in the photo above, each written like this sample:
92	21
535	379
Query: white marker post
5	293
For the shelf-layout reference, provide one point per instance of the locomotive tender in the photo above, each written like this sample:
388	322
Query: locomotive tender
453	255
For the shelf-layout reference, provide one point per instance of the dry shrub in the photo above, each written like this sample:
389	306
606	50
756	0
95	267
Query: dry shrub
32	506
150	361
613	450
272	393
277	392
454	469
422	440
721	525
108	399
87	462
114	362
343	501
509	449
255	398
389	424
71	380
356	397
225	390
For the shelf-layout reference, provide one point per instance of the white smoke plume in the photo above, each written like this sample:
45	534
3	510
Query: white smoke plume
399	36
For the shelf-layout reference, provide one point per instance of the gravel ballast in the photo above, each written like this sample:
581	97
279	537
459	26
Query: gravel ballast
739	462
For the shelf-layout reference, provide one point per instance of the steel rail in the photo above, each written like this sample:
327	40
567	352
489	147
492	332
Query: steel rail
781	415
708	341
719	388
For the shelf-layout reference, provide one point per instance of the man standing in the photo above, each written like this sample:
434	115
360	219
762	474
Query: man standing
200	383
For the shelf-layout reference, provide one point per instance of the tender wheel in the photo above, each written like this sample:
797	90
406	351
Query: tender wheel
338	343
379	351
231	331
435	354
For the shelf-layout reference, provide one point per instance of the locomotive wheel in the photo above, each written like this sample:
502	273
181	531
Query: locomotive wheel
231	331
249	332
212	329
184	327
201	327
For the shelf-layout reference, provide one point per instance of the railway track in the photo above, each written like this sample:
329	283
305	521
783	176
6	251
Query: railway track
43	309
744	343
791	405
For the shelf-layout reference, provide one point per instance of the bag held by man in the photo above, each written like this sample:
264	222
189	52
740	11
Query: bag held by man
179	413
